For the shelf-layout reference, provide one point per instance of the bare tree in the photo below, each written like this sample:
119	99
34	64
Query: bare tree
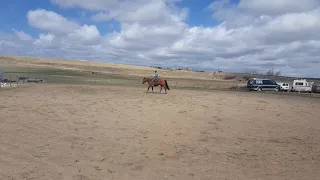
269	73
273	73
278	73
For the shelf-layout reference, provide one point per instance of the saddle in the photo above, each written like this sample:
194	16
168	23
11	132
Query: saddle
155	82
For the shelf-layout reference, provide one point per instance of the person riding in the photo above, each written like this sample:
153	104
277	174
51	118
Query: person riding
155	78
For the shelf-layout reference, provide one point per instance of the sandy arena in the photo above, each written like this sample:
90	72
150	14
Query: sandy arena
79	132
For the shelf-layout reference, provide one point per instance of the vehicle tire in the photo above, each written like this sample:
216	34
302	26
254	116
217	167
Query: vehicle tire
277	90
259	89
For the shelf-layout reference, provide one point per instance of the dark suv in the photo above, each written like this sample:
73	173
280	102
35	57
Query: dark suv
259	84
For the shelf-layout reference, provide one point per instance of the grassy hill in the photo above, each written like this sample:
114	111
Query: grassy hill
76	71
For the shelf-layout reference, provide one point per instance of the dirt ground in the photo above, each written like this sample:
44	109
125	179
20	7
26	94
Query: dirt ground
81	132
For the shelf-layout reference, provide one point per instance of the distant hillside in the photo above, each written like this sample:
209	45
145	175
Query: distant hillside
132	71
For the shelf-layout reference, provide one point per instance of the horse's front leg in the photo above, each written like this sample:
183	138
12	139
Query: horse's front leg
160	89
148	89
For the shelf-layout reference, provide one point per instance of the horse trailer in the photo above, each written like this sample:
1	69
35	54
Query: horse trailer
302	85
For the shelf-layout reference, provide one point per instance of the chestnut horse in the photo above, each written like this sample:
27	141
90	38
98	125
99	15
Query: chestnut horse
159	82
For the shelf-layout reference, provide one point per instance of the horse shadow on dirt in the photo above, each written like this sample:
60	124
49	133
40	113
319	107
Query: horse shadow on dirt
156	93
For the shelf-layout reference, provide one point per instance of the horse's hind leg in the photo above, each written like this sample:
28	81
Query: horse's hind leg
160	89
152	89
148	89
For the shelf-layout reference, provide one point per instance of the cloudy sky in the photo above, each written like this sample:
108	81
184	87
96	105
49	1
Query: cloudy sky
236	35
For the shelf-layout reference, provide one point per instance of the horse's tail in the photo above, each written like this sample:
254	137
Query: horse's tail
167	86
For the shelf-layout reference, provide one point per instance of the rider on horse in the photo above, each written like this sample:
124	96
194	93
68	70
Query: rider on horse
155	78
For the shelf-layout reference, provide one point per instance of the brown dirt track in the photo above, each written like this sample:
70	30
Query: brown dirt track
85	132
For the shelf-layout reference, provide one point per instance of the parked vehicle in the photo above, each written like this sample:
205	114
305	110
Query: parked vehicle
302	85
284	86
259	84
315	88
1	75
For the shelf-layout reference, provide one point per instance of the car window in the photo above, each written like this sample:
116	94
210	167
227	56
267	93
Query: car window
259	82
269	82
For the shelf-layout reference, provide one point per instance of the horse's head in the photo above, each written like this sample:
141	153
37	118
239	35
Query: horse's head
144	80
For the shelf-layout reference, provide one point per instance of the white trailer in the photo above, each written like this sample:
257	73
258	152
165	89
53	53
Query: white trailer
302	85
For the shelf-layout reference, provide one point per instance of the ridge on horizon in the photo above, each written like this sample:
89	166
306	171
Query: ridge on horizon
238	36
145	67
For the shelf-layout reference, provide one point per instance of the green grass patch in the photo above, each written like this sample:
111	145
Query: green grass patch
54	75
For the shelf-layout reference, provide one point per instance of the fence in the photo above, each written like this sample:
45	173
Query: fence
13	82
190	84
116	80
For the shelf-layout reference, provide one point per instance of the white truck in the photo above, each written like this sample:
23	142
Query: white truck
302	85
284	86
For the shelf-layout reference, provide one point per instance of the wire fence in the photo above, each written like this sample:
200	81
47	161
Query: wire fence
198	85
173	83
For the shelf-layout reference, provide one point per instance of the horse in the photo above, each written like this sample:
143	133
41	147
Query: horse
159	82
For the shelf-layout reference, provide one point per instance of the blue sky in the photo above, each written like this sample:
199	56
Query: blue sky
237	35
13	14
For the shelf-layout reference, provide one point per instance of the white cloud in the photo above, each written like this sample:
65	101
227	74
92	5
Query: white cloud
44	40
88	34
22	35
276	7
279	34
50	21
87	4
248	11
102	16
57	24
